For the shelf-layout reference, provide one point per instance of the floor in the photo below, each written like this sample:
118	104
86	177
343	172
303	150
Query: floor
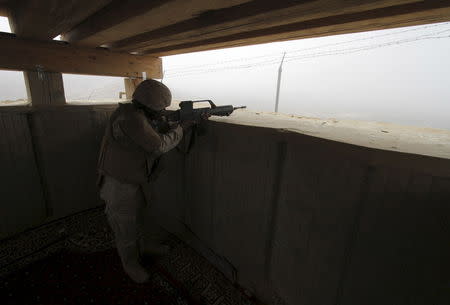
73	261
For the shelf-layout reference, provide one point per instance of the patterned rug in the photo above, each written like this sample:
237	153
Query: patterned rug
85	278
73	261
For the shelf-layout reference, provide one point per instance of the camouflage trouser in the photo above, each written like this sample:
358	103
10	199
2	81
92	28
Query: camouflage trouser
124	208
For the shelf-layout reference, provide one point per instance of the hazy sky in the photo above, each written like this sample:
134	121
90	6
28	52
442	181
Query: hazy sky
400	76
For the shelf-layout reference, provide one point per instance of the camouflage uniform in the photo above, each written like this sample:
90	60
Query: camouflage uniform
131	147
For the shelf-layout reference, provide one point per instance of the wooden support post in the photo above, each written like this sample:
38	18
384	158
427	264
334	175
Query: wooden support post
44	88
130	86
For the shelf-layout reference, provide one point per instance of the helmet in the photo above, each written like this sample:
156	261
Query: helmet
153	95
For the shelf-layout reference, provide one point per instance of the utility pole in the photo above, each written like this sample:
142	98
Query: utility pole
280	70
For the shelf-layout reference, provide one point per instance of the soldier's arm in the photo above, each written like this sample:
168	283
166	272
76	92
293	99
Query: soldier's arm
169	140
143	134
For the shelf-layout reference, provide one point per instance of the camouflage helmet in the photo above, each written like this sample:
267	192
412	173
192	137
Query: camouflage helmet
153	94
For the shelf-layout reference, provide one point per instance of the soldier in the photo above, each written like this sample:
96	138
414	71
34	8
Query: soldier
135	137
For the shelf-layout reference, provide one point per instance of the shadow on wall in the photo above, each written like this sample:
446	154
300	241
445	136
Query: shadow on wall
48	158
301	220
293	218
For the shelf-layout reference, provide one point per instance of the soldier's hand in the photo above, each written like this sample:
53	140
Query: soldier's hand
205	116
187	124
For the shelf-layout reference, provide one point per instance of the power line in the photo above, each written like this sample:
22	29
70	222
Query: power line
313	55
328	52
370	47
187	68
195	69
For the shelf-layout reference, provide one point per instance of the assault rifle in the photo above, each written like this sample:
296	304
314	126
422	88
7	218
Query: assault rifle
187	112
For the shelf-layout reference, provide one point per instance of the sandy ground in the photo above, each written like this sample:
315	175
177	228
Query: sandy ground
387	136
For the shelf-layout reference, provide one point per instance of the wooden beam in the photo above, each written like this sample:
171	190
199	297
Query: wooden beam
253	15
53	56
4	10
44	88
378	19
118	11
122	19
45	19
130	86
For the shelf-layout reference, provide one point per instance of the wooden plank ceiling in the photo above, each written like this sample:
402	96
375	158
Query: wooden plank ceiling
165	27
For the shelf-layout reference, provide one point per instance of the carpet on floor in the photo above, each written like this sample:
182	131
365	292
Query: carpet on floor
85	278
73	261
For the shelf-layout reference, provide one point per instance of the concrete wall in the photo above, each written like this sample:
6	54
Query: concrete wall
303	220
48	161
21	195
293	218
